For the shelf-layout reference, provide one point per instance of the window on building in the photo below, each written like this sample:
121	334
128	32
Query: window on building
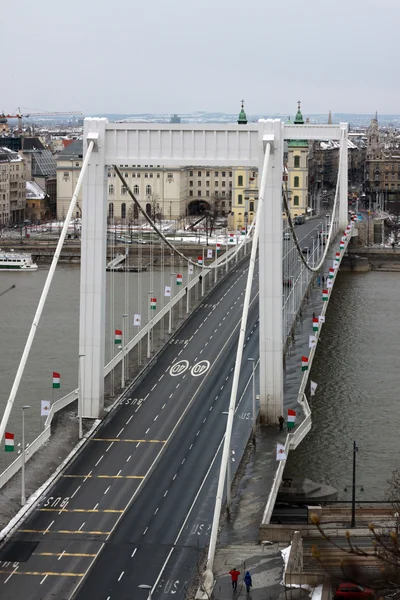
138	175
296	201
198	173
66	174
254	174
148	209
158	175
126	174
111	210
240	180
123	190
297	162
146	175
133	174
216	184
190	192
207	184
123	210
296	181
207	173
136	190
230	173
207	192
190	183
199	193
240	199
111	190
216	173
170	176
77	164
109	174
251	206
199	184
223	203
190	173
148	190
230	184
151	175
223	173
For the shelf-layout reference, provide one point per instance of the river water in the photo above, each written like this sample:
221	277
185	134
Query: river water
356	367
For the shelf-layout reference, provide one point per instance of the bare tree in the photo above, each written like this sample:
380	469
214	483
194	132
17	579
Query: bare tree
385	548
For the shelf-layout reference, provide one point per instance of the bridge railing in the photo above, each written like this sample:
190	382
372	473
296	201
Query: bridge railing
72	396
294	439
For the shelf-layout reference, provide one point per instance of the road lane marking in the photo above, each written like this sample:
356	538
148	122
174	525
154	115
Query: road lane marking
165	493
156	511
77	489
99	460
41	574
121	576
118	434
46	530
107	490
65	531
107	476
128	440
147	430
129	420
44	579
154	387
11	574
133	553
155	418
129	458
81	510
88	475
159	379
145	531
63	553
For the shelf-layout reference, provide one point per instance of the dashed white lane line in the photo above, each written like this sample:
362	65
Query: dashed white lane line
81	526
137	445
226	378
183	461
118	434
136	409
174	477
129	420
201	350
222	387
171	395
163	406
159	379
61	555
90	472
101	457
216	397
77	490
180	352
154	387
108	447
177	385
191	446
210	409
43	580
121	576
146	396
47	529
198	433
206	344
107	490
156	511
205	419
147	430
129	458
165	493
145	531
94	508
155	418
119	472
11	574
133	553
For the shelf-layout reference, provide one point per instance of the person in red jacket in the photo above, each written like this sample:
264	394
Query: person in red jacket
234	573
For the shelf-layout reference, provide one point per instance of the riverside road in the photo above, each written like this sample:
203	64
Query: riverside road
129	509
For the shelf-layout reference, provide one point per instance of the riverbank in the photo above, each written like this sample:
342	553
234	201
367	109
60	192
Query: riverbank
372	258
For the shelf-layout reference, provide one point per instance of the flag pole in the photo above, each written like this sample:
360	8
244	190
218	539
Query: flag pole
80	396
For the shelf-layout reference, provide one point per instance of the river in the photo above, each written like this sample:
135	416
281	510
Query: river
356	368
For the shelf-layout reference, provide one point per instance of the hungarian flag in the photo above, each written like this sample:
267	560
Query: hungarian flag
231	238
331	272
179	279
218	247
337	256
9	442
243	231
56	380
291	418
45	408
315	324
136	320
118	337
325	295
200	260
329	284
312	341
280	452
335	264
167	291
341	245
304	363
153	303
209	253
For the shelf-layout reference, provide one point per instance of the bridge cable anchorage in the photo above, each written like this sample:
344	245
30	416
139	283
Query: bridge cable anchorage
236	373
169	244
291	226
44	294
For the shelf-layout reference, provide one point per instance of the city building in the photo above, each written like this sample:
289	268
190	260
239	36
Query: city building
297	166
36	202
12	187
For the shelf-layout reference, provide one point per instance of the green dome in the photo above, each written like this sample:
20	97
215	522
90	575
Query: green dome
299	117
242	119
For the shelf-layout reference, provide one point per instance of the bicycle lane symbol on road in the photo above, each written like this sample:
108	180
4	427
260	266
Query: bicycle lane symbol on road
179	368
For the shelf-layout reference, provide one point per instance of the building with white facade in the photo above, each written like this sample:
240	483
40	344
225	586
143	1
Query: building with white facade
12	187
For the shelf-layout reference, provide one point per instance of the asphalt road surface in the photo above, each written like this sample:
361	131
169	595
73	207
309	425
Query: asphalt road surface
136	504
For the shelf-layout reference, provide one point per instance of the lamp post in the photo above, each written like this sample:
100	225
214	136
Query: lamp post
23	498
80	396
254	399
144	586
353	492
124	317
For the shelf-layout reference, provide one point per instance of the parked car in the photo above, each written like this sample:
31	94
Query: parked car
287	280
351	591
286	236
305	250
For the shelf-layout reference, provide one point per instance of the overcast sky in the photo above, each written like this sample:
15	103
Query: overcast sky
134	56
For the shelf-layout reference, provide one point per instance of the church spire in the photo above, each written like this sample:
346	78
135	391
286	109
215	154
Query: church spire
299	117
242	119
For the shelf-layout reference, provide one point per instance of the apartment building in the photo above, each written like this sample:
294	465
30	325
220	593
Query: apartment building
12	187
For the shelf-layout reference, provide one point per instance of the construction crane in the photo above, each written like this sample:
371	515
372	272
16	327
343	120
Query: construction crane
20	116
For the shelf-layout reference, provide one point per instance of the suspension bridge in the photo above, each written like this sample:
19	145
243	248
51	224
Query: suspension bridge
159	466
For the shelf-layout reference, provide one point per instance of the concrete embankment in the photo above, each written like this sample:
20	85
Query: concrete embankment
361	259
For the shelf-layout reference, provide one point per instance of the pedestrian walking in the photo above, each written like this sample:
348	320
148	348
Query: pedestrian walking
392	245
234	573
323	280
319	281
313	316
247	581
281	420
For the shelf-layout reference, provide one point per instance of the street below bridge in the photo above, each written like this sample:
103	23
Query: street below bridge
136	504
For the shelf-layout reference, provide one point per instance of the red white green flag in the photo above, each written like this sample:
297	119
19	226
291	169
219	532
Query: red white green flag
56	380
200	260
118	336
9	442
341	245
231	238
218	247
304	363
153	303
291	418
179	279
331	272
243	231
315	324
325	295
337	256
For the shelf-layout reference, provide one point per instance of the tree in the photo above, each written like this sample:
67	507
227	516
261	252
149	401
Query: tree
385	548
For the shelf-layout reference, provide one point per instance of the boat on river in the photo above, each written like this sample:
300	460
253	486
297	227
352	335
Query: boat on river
16	261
